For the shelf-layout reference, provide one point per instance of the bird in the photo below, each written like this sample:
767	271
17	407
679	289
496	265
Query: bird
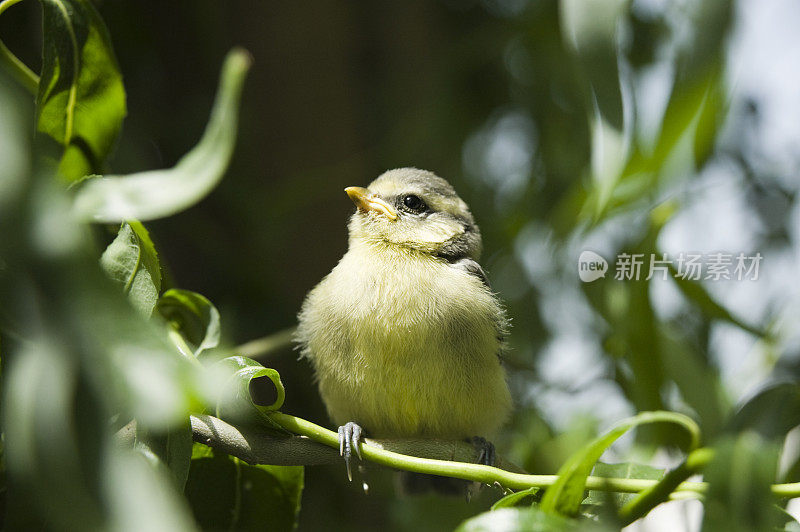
405	334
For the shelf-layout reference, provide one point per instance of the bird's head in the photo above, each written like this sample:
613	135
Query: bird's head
415	209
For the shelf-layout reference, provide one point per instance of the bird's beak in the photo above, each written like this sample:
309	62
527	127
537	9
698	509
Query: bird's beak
367	201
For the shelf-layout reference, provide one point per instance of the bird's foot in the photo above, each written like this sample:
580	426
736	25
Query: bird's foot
485	450
350	436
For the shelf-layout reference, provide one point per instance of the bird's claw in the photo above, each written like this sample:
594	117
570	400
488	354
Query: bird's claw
485	450
350	435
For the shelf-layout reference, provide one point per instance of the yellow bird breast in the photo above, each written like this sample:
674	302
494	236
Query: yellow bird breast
406	345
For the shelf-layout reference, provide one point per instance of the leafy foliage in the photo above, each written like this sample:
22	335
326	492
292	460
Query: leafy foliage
515	498
739	497
771	413
81	100
159	193
192	316
227	494
565	496
132	261
623	470
94	357
251	391
171	452
91	353
509	519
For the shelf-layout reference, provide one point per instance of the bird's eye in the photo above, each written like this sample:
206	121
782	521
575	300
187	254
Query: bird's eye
414	203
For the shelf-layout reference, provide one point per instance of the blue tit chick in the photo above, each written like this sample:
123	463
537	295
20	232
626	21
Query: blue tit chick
405	334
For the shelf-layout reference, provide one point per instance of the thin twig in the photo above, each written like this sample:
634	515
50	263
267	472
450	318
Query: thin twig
267	346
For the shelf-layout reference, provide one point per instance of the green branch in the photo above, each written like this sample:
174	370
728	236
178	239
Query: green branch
315	445
474	472
18	69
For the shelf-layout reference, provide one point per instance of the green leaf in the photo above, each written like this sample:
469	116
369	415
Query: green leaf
632	340
13	65
691	120
515	519
698	383
81	100
565	495
788	523
772	412
141	496
697	103
192	316
591	28
739	477
53	465
14	151
709	120
228	494
132	261
647	499
696	293
173	449
623	470
251	391
160	193
83	357
513	499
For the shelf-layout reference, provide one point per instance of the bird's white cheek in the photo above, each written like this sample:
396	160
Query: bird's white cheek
437	233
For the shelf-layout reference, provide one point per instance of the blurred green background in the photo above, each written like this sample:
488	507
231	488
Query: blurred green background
641	127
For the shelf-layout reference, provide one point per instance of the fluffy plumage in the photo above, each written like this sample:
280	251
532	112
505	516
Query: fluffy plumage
404	333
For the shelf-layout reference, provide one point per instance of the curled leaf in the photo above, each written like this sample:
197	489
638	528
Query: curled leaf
251	392
192	316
